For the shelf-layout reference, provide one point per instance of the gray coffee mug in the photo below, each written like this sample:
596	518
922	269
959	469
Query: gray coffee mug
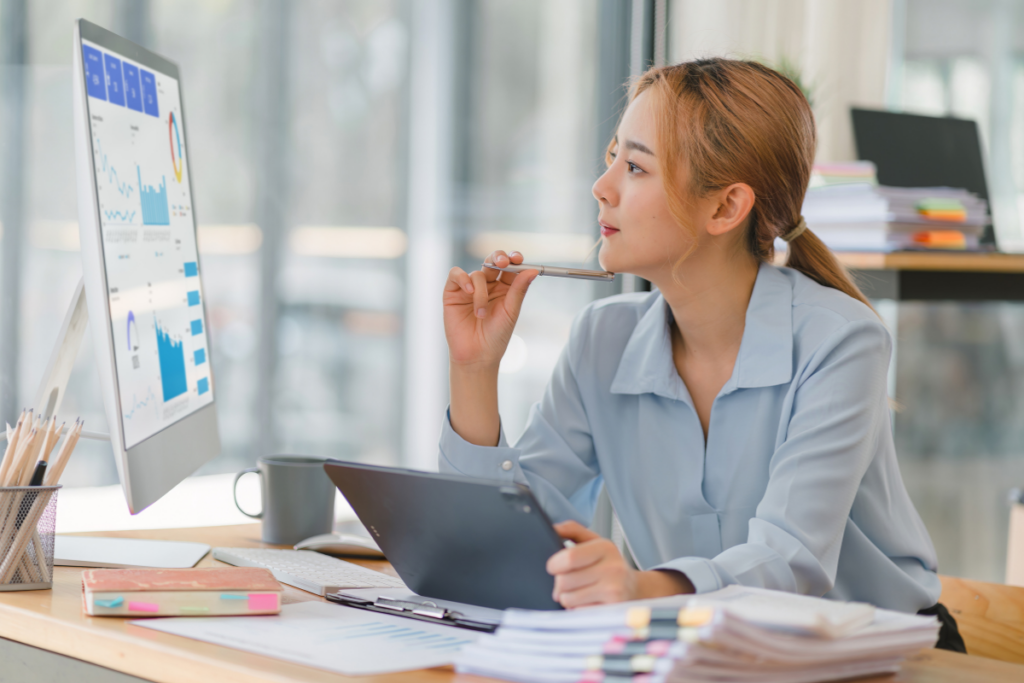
298	498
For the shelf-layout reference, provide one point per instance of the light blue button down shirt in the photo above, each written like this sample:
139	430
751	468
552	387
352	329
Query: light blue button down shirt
797	487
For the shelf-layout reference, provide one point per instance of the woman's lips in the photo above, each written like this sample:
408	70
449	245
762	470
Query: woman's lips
607	230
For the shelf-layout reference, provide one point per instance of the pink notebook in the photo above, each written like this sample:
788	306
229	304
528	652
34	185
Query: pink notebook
206	591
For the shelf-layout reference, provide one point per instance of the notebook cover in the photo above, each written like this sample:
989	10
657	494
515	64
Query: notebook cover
198	579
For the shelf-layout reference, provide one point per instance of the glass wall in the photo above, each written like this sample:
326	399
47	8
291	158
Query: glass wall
960	368
528	160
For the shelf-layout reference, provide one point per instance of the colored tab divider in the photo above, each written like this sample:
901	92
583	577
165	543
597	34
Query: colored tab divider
203	385
200	356
197	327
110	603
143	607
191	269
259	602
193	298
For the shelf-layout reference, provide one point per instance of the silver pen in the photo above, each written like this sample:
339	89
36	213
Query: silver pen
555	271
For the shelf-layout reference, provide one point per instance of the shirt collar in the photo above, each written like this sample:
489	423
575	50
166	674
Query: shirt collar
766	351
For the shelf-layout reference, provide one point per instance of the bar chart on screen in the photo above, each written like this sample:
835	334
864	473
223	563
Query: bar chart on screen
172	363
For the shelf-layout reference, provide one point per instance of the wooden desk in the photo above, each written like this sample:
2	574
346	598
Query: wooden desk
53	620
920	276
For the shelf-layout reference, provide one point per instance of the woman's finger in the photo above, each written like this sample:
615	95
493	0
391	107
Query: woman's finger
458	279
517	293
600	593
574	581
480	293
516	257
574	531
498	258
580	556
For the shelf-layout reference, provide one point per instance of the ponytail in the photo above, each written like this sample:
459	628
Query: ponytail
809	255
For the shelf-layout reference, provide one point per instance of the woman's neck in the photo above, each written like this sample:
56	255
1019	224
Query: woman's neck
708	298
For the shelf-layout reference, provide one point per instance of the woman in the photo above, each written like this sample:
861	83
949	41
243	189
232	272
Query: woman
738	415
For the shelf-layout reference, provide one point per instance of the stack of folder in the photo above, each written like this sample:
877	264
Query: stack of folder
868	217
736	634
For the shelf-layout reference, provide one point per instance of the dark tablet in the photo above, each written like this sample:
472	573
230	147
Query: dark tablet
455	538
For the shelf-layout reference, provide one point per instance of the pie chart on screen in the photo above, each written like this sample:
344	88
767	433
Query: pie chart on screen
175	140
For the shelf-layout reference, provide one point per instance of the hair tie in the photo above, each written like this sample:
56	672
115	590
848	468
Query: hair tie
796	231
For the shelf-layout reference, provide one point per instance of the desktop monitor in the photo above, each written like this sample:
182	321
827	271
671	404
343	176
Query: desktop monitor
143	280
910	150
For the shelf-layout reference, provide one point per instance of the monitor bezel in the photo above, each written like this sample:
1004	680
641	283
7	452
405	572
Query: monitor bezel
150	468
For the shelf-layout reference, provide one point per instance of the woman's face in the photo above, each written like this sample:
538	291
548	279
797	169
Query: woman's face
639	235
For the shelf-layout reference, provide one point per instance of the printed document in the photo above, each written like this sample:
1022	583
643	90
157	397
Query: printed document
326	636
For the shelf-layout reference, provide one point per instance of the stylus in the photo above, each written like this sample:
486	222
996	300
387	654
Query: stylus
555	271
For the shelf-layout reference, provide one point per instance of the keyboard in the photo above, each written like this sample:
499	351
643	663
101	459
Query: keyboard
308	570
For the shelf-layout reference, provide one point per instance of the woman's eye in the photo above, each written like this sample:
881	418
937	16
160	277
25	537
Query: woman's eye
633	168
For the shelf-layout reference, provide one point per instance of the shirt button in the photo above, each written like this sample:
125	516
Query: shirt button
507	465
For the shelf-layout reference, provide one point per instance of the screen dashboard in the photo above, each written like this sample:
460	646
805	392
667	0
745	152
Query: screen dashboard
159	329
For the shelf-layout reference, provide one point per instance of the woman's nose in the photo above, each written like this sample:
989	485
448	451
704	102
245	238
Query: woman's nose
603	189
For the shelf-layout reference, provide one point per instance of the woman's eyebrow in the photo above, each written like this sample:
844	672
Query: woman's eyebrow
638	146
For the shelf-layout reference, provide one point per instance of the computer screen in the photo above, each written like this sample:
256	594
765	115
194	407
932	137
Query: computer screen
159	329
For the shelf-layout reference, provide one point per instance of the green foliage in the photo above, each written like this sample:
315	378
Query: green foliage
791	70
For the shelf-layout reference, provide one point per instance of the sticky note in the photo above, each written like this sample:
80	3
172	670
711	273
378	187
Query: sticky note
262	601
112	602
193	298
143	607
194	610
234	596
191	269
197	327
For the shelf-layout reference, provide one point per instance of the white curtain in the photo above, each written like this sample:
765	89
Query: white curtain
840	47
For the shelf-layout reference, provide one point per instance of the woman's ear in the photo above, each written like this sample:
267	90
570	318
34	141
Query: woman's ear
734	205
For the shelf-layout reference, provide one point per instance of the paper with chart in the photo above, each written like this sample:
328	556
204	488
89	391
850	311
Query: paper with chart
327	636
149	242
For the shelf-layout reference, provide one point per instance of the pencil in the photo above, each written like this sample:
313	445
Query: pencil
61	460
12	449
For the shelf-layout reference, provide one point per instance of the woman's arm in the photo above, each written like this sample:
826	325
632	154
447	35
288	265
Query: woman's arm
480	313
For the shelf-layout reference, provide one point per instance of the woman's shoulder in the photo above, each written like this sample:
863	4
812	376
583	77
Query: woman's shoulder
824	314
605	326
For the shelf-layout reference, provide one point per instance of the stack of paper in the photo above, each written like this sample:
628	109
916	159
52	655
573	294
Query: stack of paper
867	217
736	634
843	172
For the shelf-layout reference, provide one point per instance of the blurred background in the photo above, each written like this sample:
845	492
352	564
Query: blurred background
347	153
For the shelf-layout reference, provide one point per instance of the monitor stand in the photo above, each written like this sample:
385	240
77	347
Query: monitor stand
92	551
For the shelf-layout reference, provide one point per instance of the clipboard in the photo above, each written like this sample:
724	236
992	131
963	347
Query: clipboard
420	609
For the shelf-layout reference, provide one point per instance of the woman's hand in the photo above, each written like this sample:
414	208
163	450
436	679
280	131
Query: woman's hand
593	572
481	309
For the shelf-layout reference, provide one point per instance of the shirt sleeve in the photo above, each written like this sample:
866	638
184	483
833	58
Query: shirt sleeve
555	455
839	407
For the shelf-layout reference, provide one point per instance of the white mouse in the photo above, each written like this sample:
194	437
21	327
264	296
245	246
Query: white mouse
342	544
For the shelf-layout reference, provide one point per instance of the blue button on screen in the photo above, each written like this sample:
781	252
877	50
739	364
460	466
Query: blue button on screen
95	80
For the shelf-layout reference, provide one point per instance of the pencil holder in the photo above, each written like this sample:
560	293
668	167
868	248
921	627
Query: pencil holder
28	518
